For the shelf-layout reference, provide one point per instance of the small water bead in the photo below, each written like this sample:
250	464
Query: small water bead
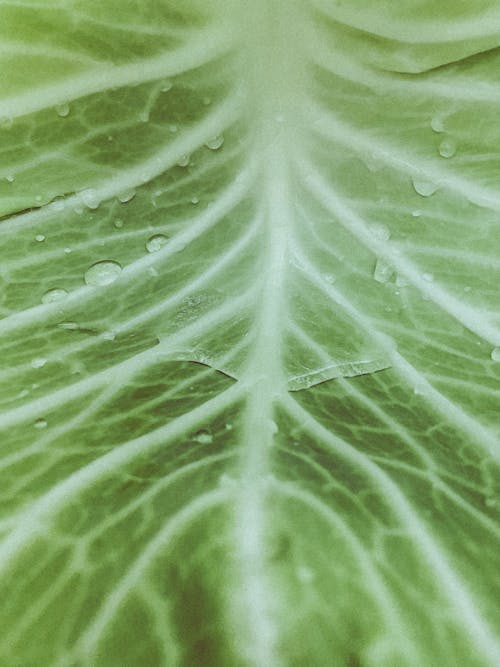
67	251
108	335
156	242
39	238
68	326
118	224
437	124
417	213
126	196
39	362
383	272
215	142
40	423
54	294
62	110
204	437
447	148
90	198
103	273
183	161
495	354
9	178
424	188
206	101
195	200
166	86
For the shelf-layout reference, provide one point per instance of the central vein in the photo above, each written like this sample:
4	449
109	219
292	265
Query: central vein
269	61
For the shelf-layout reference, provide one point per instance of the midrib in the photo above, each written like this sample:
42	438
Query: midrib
269	60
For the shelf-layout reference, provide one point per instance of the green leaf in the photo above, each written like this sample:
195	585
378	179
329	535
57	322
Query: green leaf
250	333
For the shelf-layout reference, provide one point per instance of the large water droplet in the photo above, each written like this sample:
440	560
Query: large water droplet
183	161
126	196
495	354
62	110
90	198
423	187
156	242
437	124
215	142
447	148
103	273
55	294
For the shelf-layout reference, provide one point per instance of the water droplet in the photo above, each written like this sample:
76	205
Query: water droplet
166	86
273	427
67	251
144	116
428	277
156	242
447	148
90	198
495	354
467	288
424	188
68	326
39	362
5	122
40	423
40	238
195	200
103	273
38	198
118	224
417	213
126	196
383	272
9	178
437	124
204	437
215	142
381	232
108	335
54	294
183	161
207	100
62	110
